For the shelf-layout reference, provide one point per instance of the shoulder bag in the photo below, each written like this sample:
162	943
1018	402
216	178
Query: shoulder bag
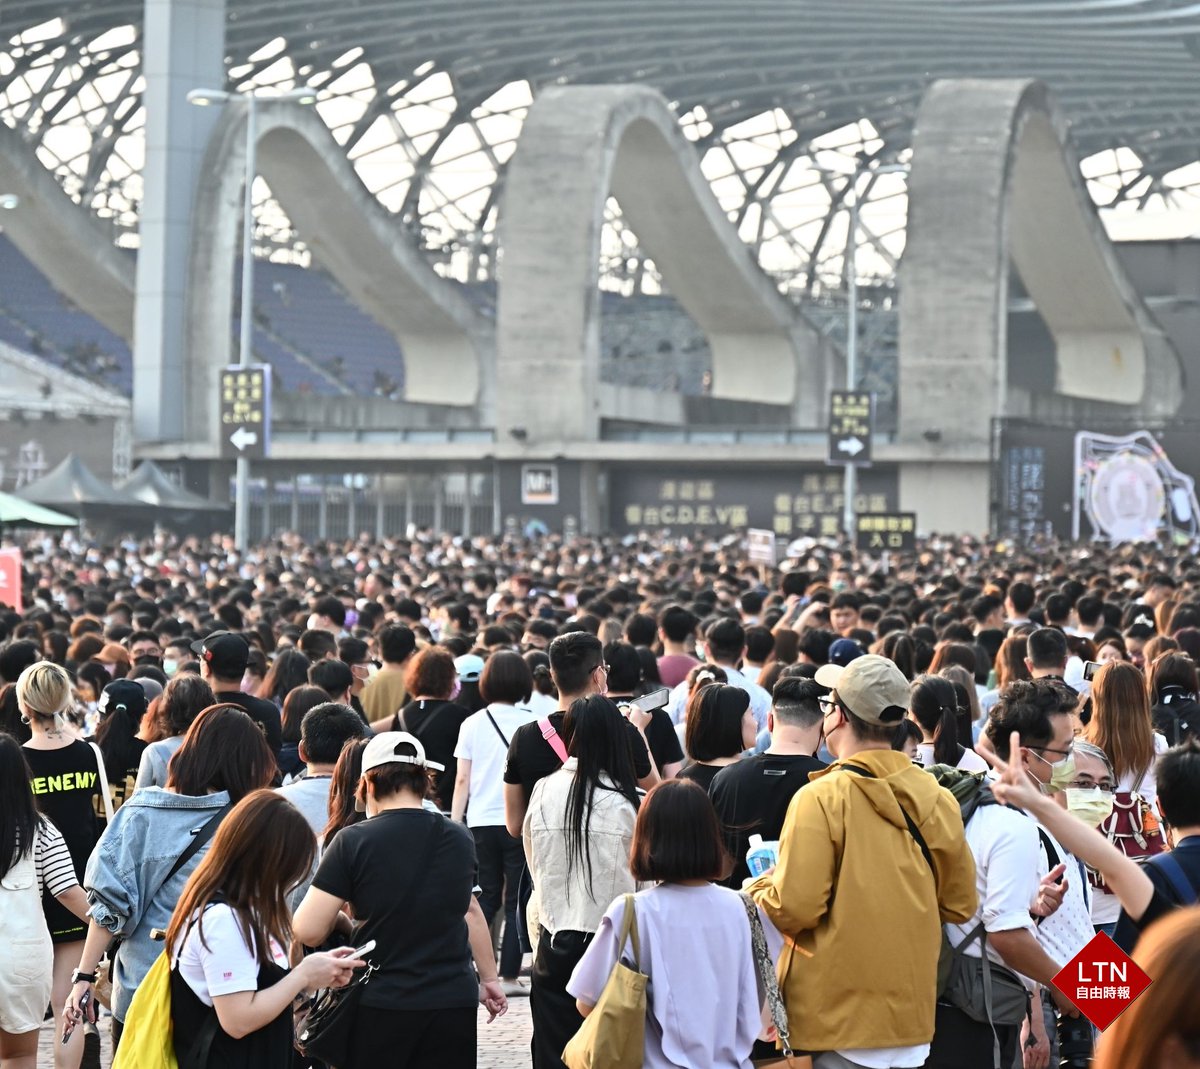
325	1024
768	982
525	880
102	776
613	1035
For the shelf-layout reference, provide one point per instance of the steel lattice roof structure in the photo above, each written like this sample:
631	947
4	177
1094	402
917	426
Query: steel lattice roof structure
782	98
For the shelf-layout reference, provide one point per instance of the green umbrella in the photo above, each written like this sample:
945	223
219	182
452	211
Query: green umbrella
16	511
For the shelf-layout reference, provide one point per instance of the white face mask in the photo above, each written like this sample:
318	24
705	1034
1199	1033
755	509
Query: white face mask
1090	804
169	667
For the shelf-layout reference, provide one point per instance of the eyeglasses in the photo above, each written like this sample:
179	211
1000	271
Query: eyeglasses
827	706
602	667
1050	749
1104	788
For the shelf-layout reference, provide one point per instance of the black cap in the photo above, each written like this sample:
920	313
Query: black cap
123	692
225	652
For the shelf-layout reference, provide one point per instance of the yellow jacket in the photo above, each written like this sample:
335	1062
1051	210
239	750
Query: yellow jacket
853	889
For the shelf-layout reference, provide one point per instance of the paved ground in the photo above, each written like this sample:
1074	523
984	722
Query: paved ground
503	1044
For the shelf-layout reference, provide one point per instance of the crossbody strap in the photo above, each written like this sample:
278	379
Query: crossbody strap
102	772
553	738
767	978
629	934
1173	871
497	727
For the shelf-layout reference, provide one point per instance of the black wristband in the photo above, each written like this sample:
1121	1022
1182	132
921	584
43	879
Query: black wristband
78	976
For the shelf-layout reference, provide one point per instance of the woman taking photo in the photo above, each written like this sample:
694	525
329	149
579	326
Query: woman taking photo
720	728
228	935
1120	725
65	778
933	707
407	875
138	869
34	861
184	699
703	1005
578	830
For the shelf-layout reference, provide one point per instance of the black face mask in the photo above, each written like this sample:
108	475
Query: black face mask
148	660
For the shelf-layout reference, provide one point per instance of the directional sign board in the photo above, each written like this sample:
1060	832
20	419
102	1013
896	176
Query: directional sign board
851	423
246	411
886	532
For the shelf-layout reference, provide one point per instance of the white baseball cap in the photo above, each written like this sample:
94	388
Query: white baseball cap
399	748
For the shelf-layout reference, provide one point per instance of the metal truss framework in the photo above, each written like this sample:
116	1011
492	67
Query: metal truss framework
427	100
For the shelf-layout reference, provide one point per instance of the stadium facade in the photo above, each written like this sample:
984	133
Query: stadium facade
542	263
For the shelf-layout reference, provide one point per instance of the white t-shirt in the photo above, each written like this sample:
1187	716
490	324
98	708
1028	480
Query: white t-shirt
1106	907
541	705
969	762
222	963
1069	929
480	743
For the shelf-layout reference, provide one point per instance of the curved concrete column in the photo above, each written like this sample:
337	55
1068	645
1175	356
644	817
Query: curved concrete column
447	344
580	144
994	181
64	241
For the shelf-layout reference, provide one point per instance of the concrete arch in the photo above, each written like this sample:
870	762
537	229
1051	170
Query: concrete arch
64	241
447	344
995	182
580	144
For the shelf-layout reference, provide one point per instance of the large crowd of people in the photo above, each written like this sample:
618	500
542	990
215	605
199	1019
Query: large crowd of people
853	810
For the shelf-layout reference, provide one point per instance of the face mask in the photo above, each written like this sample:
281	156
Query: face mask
169	667
1089	804
1061	772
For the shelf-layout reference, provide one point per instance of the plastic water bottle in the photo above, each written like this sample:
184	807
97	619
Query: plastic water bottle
761	855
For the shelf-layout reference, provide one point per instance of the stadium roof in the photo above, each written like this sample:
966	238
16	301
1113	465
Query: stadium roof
428	99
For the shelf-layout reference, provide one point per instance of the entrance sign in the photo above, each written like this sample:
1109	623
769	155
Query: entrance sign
1102	981
886	532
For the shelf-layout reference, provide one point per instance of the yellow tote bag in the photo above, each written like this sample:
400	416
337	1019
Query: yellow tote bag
613	1035
147	1041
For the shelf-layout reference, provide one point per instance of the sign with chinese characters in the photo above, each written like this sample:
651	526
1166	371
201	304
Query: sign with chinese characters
760	546
851	424
1102	981
788	501
246	411
539	484
886	532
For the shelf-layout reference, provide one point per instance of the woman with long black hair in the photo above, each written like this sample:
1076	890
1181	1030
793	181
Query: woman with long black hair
33	860
122	706
578	830
934	708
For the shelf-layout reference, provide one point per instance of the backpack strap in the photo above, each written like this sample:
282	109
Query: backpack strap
1169	866
553	738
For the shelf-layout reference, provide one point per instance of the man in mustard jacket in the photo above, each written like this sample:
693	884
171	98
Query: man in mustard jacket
855	890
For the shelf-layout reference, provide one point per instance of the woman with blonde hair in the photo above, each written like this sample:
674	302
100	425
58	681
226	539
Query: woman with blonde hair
65	774
1161	1030
1121	726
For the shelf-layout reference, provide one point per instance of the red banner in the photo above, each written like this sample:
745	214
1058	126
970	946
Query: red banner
10	579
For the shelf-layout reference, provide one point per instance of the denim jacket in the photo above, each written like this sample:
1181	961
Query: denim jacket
128	866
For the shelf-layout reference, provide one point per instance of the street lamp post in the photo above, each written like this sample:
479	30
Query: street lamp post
204	98
850	479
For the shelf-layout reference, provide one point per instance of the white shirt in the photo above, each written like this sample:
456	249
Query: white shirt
1007	853
481	744
969	762
1069	929
760	700
221	963
541	705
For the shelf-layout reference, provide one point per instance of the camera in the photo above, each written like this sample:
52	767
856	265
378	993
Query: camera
1074	1043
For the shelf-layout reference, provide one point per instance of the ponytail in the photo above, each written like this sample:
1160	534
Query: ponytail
934	703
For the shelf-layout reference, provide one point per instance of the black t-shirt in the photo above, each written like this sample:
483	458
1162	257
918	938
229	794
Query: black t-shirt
422	953
752	797
1166	898
66	783
261	711
701	774
531	758
1177	719
120	783
435	724
660	737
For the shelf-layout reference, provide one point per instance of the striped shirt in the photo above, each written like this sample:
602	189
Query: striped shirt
52	860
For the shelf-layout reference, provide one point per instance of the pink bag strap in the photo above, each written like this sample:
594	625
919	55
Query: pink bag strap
552	737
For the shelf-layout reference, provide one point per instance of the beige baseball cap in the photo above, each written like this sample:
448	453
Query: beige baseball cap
871	687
